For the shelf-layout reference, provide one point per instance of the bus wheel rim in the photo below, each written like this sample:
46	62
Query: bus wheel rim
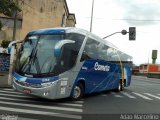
77	92
119	87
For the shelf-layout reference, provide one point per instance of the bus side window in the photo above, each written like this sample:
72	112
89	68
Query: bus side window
90	50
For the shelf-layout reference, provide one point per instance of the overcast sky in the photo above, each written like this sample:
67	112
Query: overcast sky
114	15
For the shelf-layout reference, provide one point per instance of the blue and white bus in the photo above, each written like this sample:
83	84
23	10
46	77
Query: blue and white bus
57	63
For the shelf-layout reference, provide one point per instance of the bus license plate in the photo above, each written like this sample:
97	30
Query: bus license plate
27	91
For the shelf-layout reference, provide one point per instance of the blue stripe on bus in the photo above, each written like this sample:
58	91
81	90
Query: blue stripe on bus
35	80
19	77
104	77
47	31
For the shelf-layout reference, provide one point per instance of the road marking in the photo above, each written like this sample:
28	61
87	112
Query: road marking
20	96
11	89
41	113
2	91
14	99
103	95
152	95
116	95
140	95
79	102
71	104
43	107
128	95
22	118
33	101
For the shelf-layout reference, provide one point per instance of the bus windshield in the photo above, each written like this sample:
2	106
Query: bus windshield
36	55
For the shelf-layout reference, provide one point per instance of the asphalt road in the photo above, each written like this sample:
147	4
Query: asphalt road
142	98
139	101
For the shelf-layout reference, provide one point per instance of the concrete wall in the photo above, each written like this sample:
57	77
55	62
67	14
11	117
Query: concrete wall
4	79
37	14
7	29
71	21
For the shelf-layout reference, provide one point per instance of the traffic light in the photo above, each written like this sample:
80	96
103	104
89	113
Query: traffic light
132	33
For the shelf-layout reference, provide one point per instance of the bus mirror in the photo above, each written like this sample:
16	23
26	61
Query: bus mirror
12	45
59	45
9	50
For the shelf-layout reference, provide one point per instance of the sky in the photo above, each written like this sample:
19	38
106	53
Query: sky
111	16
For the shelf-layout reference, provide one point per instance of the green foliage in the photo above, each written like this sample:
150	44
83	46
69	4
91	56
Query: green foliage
8	7
5	43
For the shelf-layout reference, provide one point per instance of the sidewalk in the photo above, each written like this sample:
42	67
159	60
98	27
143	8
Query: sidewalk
4	79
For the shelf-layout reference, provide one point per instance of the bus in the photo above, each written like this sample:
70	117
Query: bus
56	63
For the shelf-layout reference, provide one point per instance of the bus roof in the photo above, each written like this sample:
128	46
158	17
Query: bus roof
69	30
72	30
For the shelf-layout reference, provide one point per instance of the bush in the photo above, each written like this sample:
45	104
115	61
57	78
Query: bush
5	43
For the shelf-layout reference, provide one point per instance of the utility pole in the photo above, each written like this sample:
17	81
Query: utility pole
15	23
91	16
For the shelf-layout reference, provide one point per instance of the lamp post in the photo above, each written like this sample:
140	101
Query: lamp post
15	23
14	26
91	16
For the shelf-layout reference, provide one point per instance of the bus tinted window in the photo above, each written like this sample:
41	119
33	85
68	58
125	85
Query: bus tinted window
78	38
90	50
70	51
100	51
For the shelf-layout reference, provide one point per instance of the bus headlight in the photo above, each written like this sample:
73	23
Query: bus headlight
47	84
45	93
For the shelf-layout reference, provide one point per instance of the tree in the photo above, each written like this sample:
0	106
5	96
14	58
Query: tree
8	7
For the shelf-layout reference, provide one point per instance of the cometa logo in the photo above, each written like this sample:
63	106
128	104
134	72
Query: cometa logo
99	67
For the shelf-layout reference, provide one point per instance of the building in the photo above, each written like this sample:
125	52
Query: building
37	14
150	70
135	70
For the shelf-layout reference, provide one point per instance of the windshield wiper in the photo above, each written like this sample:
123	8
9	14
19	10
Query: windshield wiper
35	60
32	59
25	61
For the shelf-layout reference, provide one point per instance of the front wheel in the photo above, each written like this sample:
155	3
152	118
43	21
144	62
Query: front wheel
78	92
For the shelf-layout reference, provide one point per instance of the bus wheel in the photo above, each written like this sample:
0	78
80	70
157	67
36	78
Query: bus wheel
78	92
120	86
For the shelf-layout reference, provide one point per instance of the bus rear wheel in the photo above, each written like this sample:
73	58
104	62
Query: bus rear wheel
78	92
120	86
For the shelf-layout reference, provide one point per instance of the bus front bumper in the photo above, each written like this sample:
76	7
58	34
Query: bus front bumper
48	92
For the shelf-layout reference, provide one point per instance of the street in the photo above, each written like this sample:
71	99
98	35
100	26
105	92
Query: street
142	97
140	100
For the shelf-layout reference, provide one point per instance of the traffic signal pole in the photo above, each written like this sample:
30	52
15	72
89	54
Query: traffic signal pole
132	33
